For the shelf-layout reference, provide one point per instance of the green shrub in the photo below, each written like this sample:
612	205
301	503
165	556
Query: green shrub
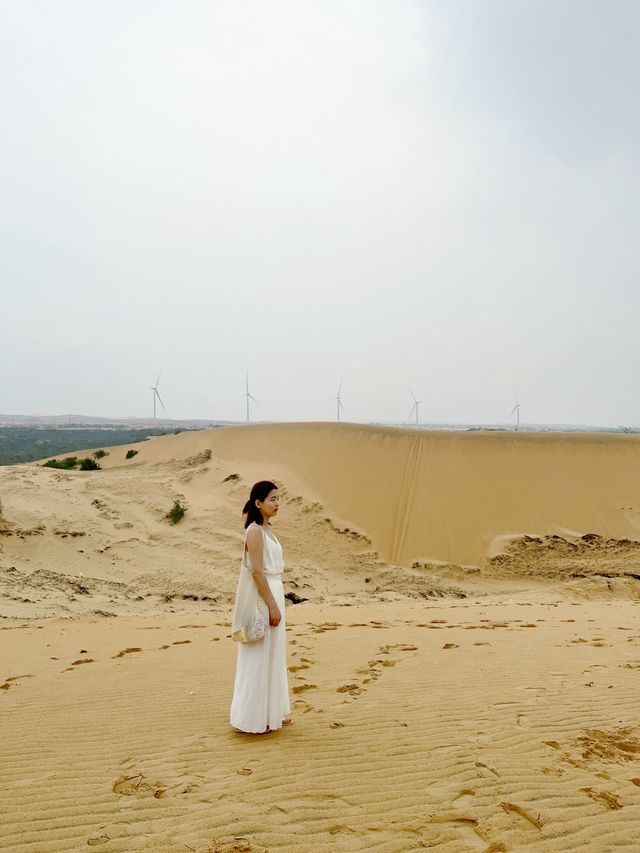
176	512
131	454
89	464
99	454
66	463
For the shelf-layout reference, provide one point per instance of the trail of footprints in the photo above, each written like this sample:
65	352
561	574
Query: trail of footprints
375	668
353	688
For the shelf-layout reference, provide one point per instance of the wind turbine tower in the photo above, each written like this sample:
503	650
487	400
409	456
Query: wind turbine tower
416	407
156	396
249	396
516	409
339	401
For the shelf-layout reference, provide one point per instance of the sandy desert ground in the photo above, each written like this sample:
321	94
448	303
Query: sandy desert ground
463	645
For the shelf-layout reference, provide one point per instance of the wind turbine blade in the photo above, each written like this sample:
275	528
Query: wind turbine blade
159	375
513	410
412	395
251	397
339	388
159	398
413	408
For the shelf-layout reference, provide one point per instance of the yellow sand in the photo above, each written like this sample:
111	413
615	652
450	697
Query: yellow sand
463	663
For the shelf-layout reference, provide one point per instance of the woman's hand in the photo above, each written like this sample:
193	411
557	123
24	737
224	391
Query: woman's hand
274	615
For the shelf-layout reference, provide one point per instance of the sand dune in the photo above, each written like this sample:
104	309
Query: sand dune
479	693
450	495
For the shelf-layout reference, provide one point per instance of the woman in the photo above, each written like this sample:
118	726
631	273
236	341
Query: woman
261	688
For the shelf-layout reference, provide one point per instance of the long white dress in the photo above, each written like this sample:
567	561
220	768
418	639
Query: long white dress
261	686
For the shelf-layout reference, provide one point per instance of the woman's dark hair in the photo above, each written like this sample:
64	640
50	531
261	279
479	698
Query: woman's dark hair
259	492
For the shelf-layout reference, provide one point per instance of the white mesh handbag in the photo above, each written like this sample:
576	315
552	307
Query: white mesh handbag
254	625
250	618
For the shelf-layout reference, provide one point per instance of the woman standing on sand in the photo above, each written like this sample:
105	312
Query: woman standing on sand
261	688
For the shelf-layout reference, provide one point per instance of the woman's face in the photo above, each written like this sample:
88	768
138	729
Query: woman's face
270	505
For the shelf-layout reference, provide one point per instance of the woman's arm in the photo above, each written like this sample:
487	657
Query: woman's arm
255	546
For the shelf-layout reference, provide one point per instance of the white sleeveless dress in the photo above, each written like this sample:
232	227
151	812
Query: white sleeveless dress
261	686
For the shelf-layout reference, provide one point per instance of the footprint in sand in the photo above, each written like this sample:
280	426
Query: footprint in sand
325	626
514	808
342	830
486	767
126	652
464	797
78	662
140	786
352	689
462	822
553	771
9	681
400	647
238	845
611	801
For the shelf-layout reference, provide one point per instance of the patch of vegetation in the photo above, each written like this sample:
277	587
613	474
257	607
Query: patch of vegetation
176	512
99	454
89	464
70	463
130	454
67	463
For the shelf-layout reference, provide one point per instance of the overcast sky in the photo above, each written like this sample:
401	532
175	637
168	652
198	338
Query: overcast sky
442	195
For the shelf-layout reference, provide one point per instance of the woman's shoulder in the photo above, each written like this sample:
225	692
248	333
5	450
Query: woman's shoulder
253	531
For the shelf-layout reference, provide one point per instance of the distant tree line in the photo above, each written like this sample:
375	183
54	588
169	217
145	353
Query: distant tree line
26	444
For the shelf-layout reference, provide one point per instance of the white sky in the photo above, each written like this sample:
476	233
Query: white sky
443	195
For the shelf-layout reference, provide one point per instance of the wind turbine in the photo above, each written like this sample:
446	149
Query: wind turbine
416	406
339	401
249	396
156	395
516	409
